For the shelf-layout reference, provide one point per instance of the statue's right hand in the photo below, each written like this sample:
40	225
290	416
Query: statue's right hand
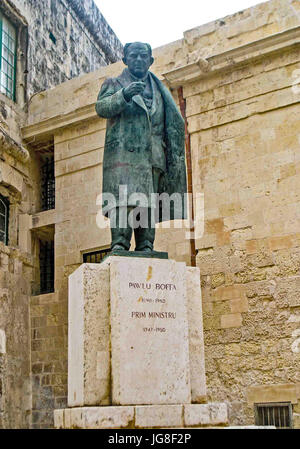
134	88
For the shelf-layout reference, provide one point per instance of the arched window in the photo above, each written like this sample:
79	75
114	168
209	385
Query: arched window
4	212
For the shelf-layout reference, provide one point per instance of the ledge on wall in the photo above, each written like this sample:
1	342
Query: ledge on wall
234	57
13	148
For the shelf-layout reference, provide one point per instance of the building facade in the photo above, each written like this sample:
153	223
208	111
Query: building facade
237	82
42	44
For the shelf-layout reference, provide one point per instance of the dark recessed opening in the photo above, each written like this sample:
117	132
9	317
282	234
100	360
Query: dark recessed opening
4	216
46	266
48	183
52	37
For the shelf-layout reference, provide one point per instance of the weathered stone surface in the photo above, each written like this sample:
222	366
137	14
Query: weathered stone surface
59	419
142	417
250	427
159	416
273	393
196	339
149	332
205	414
10	176
245	150
67	418
88	50
296	420
2	342
89	339
231	320
15	149
169	288
15	380
108	417
54	44
77	418
287	291
94	418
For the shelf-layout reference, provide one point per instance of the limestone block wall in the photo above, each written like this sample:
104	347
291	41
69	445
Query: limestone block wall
20	183
244	124
245	130
249	25
15	381
49	340
57	40
20	180
11	117
17	262
66	38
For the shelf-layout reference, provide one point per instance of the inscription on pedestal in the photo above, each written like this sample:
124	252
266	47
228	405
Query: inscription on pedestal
157	301
149	332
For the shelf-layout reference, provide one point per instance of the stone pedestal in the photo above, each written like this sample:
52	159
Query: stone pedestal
136	353
149	332
89	336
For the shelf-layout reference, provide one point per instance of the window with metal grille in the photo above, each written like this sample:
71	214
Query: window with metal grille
46	266
8	58
95	256
48	184
273	414
4	213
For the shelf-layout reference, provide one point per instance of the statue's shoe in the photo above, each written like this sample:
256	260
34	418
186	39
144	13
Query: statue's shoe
145	250
118	248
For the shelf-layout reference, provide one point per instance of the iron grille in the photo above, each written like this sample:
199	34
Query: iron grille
46	266
95	256
4	212
274	414
48	184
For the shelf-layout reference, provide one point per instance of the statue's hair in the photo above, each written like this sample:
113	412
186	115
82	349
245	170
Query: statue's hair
126	47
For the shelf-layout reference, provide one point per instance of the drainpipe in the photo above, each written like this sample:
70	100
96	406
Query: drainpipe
182	104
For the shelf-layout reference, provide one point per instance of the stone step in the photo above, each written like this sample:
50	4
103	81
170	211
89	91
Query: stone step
143	416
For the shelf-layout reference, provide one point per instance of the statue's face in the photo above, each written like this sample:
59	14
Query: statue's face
138	59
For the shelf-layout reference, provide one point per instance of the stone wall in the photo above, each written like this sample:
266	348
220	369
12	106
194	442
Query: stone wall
66	38
247	163
265	19
16	267
15	381
49	366
56	40
244	123
18	178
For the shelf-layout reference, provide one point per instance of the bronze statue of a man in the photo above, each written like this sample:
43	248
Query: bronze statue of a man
144	149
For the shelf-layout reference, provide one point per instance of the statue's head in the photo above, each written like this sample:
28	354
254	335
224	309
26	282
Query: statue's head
138	58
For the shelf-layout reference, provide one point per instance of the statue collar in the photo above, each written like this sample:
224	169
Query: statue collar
126	78
134	78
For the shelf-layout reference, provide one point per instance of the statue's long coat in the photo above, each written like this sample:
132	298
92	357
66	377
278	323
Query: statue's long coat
127	152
